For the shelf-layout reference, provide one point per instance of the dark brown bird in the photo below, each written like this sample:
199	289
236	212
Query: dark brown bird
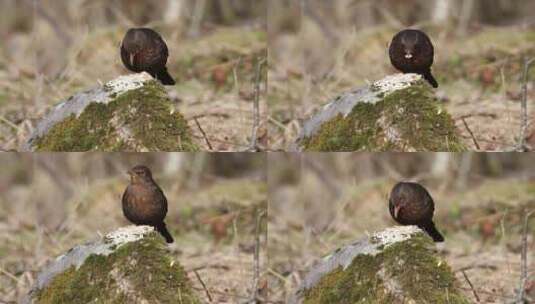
411	51
144	202
411	204
143	49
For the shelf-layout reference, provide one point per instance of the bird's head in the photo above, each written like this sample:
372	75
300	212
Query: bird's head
400	197
410	44
140	174
134	40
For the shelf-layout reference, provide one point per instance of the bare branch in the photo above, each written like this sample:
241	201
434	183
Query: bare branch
471	286
521	145
471	134
203	134
256	106
256	277
203	286
524	262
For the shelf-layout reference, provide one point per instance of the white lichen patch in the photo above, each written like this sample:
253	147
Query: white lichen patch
396	234
125	83
395	82
128	234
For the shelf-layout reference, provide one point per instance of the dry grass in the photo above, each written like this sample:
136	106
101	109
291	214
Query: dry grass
309	219
44	212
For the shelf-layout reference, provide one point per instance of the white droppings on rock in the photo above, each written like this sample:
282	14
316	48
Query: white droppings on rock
125	83
396	234
128	234
395	82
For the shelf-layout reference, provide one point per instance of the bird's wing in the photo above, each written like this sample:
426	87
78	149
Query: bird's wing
124	58
124	201
160	193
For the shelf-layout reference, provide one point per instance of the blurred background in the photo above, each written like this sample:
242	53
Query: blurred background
52	202
321	49
321	201
52	49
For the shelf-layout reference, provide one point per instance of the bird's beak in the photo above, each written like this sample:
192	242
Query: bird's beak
396	211
408	55
129	172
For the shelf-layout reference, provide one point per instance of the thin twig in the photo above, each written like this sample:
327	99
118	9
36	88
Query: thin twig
494	294
471	133
9	123
256	106
471	286
223	142
203	134
256	277
481	266
524	262
10	275
521	146
203	286
222	115
227	294
490	115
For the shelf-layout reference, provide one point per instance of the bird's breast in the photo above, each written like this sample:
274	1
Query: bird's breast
142	205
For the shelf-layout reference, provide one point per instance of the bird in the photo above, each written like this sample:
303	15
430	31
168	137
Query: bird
143	49
144	203
411	51
411	204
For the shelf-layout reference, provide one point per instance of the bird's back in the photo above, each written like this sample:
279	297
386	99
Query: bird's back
143	49
418	202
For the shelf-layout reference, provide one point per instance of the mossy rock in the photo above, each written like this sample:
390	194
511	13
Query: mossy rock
130	113
397	113
396	265
130	265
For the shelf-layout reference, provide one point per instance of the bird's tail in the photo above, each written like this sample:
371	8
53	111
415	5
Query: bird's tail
164	77
162	229
427	75
432	231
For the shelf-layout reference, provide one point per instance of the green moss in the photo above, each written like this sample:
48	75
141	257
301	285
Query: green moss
144	113
420	274
406	269
353	285
143	267
406	120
